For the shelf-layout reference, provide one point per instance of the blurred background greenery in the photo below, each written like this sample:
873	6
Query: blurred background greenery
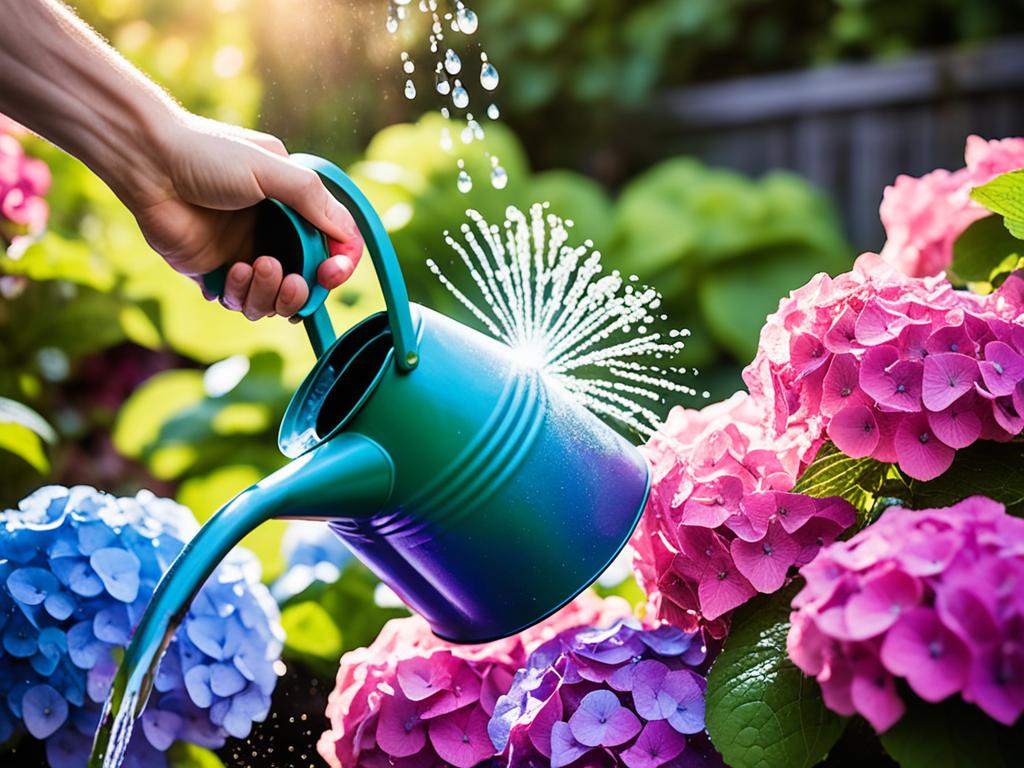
117	374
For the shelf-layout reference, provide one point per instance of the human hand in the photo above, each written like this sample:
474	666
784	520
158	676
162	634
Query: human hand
198	213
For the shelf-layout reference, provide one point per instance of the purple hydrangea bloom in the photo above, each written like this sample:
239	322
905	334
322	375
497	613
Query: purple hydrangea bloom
77	568
626	695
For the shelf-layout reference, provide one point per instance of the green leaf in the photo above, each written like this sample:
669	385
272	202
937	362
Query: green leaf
981	248
13	412
311	633
185	755
986	468
952	734
762	711
25	444
833	473
1003	195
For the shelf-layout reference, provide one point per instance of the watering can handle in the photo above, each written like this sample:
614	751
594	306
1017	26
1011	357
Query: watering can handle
272	215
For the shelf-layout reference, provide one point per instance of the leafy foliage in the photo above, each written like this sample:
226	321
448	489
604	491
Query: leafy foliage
984	469
859	481
762	712
723	244
951	734
985	251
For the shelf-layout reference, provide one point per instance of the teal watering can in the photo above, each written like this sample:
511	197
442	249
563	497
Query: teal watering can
482	493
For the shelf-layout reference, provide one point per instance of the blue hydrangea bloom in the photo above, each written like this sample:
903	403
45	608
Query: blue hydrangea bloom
312	552
77	568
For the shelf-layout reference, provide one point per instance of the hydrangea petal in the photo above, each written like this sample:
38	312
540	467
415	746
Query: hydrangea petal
44	710
931	657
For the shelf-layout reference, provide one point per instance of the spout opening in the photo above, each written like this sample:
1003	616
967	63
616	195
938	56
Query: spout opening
338	385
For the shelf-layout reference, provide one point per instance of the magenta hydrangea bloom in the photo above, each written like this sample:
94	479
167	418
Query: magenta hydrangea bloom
626	695
912	370
721	525
24	181
412	700
923	217
932	597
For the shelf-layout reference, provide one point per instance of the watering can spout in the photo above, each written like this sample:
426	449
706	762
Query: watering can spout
343	480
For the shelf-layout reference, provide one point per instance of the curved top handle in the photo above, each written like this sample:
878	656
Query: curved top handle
312	250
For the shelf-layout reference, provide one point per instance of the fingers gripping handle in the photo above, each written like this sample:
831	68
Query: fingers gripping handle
300	247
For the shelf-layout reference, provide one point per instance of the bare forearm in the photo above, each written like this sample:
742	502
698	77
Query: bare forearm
63	82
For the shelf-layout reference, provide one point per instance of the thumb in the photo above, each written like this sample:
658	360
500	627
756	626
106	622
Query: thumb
303	190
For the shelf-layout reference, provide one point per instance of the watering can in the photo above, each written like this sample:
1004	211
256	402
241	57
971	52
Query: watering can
481	492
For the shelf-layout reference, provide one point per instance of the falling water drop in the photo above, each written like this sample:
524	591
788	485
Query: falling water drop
467	20
410	89
452	62
460	96
465	183
499	177
488	76
443	86
493	112
409	67
446	140
392	24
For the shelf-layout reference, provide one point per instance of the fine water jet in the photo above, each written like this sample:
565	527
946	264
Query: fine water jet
444	460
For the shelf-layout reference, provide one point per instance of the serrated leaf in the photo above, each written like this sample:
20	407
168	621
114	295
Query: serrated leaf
984	469
952	734
1003	195
982	247
763	712
833	473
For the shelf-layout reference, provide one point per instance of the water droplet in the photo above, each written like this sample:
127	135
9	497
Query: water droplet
409	67
493	112
499	177
410	89
467	20
460	97
488	76
446	140
452	62
445	113
402	2
467	135
465	183
391	24
443	86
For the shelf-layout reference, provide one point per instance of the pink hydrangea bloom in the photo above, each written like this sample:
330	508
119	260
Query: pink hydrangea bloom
934	597
924	216
902	369
720	524
413	700
23	182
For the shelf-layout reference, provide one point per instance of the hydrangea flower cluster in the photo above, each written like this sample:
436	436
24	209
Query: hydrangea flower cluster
720	524
77	568
935	597
312	552
413	700
618	696
901	369
23	182
923	217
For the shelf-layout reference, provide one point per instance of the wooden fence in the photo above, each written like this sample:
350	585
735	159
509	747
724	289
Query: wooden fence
850	129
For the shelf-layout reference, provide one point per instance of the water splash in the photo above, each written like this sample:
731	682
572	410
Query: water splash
599	335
